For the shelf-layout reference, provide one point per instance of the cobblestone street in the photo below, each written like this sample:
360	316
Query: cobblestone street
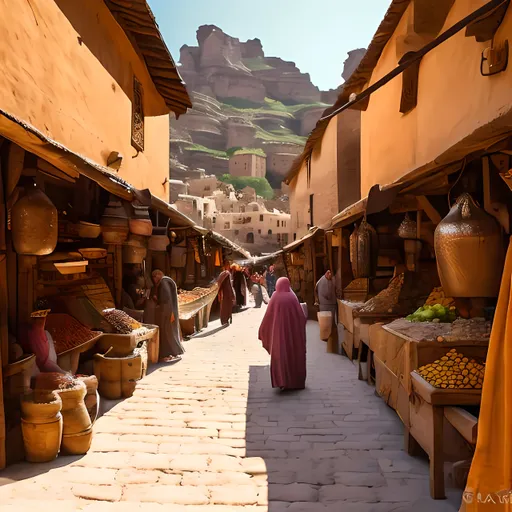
210	434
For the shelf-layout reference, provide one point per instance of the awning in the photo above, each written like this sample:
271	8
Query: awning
259	260
31	139
228	244
297	243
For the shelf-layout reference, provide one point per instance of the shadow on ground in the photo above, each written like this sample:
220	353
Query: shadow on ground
334	446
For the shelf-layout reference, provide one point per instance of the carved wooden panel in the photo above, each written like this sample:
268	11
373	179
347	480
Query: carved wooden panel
410	78
137	116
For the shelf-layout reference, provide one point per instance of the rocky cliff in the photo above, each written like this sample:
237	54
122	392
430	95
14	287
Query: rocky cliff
242	99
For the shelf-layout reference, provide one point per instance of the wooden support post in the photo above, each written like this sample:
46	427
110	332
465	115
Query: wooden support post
26	287
437	455
418	224
4	300
118	274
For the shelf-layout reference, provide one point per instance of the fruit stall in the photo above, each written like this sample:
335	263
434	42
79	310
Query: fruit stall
418	304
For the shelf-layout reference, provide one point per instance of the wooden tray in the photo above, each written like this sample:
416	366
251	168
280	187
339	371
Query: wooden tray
84	347
438	396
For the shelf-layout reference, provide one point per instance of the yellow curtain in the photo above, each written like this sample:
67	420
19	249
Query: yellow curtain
489	486
218	262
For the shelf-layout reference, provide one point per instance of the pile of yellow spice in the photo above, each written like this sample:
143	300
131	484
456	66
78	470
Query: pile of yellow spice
453	371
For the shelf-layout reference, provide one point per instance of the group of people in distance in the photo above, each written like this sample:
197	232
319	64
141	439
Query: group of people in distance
234	284
283	328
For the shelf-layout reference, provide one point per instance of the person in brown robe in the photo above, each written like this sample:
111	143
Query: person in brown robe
165	295
227	295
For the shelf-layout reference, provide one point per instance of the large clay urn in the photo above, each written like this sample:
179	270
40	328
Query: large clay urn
34	224
114	223
469	251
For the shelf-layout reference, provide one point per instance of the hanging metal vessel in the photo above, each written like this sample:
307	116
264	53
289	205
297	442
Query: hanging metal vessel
34	224
366	250
407	228
353	250
469	250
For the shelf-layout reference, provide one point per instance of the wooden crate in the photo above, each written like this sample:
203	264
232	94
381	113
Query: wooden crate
386	383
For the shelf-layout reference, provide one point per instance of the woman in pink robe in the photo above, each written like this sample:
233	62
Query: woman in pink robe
283	334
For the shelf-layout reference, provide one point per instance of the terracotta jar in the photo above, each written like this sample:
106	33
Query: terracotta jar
140	223
114	223
469	251
34	224
159	240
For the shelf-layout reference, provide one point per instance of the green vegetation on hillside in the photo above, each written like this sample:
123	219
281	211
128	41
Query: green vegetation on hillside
282	135
225	154
203	149
245	151
261	185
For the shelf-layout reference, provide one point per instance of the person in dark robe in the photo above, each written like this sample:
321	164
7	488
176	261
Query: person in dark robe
256	290
283	335
325	292
226	295
165	296
271	281
239	286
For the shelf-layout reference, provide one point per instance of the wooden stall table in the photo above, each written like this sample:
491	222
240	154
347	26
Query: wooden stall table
69	359
346	318
194	314
428	431
363	323
400	347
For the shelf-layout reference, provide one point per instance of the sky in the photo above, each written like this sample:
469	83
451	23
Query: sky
315	34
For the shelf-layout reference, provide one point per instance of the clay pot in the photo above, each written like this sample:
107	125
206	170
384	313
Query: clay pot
114	223
140	223
159	240
34	224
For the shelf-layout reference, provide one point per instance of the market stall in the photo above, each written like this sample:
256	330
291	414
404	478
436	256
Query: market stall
194	308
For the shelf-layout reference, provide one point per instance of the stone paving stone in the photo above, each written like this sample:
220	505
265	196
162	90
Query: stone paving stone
293	492
136	476
98	492
234	495
178	495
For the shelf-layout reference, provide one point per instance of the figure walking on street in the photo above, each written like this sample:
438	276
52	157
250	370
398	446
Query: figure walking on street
271	281
227	295
164	297
283	335
325	293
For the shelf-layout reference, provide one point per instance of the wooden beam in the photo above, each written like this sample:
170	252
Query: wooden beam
431	212
51	170
15	162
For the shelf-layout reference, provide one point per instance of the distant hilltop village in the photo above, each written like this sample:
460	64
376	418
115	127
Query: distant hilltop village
250	119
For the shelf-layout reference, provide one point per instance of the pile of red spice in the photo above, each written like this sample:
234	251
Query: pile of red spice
67	333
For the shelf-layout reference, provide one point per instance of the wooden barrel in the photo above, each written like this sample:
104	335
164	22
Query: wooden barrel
41	426
117	376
